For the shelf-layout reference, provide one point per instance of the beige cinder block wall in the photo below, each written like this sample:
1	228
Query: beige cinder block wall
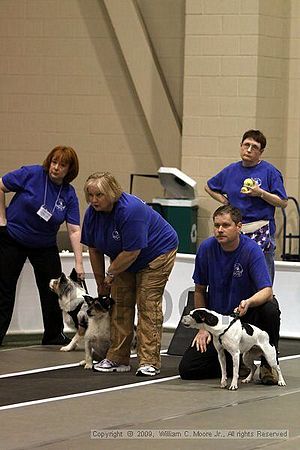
237	77
64	79
292	162
226	66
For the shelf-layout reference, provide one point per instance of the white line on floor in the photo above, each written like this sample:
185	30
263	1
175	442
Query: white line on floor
41	369
99	391
84	394
66	366
285	358
62	366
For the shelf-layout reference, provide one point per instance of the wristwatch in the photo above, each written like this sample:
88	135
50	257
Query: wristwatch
108	274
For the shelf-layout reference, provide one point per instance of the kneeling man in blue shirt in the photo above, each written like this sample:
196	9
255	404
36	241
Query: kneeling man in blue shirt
230	273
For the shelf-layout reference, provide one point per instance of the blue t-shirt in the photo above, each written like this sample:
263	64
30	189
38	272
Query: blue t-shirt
230	276
131	225
23	223
230	180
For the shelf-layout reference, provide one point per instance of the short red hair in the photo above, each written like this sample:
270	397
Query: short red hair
67	155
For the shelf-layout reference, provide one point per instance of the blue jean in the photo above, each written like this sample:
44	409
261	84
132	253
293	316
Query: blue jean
270	257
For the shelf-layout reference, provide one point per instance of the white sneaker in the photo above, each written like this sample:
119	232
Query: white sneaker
147	371
110	366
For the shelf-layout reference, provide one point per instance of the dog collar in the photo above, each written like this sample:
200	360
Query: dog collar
235	318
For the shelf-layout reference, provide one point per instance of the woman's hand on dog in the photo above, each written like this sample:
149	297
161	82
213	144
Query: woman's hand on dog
79	271
104	289
201	340
108	280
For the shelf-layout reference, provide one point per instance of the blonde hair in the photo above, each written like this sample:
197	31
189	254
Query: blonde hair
106	183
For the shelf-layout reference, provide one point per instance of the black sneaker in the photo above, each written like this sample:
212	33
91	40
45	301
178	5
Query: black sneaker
60	339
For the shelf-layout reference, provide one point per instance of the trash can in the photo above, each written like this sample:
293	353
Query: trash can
179	207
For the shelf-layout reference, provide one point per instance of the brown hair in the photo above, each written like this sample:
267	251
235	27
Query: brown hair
234	212
257	136
106	183
67	155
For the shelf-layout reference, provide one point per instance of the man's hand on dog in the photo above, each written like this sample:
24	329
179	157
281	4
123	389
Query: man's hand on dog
201	340
242	308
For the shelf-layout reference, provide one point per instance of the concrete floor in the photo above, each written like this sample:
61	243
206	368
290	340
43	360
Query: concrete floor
170	412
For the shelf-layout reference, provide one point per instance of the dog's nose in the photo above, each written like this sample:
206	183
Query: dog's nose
186	320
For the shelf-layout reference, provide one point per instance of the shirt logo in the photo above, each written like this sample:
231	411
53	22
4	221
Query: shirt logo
60	204
258	181
116	235
237	270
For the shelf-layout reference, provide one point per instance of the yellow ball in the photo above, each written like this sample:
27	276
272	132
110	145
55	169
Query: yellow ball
248	182
245	190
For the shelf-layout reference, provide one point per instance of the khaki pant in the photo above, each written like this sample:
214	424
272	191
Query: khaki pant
145	290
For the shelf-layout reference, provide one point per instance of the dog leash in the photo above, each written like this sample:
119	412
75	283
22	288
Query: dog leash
106	301
84	286
82	283
236	317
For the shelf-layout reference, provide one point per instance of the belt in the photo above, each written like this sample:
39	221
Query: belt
251	227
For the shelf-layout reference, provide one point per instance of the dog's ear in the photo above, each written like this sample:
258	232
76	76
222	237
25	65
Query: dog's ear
63	278
197	315
202	315
73	275
106	301
88	299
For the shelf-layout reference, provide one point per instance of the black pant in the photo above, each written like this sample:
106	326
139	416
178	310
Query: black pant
46	264
197	366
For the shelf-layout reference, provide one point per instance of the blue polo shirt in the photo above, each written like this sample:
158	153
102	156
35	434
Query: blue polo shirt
230	180
23	223
131	225
230	276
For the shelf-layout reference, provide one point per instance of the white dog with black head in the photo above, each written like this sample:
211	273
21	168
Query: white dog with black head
97	336
71	301
230	334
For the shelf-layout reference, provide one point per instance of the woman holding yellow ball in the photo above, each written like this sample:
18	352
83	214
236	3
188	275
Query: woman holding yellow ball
255	187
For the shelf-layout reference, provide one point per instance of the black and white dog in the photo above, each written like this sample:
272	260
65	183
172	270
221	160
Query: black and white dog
71	301
97	336
237	338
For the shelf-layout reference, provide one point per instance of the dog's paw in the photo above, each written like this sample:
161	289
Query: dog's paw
223	384
281	383
233	387
247	380
66	348
88	366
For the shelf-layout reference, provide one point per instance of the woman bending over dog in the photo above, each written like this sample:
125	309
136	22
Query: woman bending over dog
43	200
142	248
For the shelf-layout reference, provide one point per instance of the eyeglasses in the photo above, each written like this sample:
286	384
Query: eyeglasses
249	145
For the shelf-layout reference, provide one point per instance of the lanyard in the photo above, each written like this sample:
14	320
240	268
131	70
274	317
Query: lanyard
45	195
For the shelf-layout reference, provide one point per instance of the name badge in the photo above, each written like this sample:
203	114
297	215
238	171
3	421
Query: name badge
44	213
